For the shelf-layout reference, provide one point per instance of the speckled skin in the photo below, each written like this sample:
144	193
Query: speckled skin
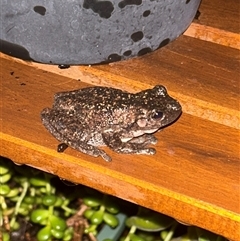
87	118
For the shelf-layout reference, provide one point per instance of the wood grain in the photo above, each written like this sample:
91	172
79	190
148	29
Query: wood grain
221	14
191	171
214	35
218	22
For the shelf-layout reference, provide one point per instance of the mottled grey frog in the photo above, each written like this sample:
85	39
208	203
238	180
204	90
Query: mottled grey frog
96	116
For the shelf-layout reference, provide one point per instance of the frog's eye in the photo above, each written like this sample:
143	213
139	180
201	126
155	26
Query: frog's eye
158	115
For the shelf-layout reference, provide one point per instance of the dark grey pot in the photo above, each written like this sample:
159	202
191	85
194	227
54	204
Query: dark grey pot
90	31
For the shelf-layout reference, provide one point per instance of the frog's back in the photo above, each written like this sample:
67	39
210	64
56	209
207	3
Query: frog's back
99	97
97	92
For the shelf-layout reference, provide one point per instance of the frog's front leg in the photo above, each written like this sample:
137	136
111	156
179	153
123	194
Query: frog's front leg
113	141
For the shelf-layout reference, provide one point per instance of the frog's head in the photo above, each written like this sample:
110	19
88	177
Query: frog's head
154	108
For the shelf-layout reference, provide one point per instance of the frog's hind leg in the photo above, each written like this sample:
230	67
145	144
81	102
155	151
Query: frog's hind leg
49	123
68	139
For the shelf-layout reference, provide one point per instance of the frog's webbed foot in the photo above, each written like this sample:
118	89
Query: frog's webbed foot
92	151
131	148
128	148
134	148
145	151
135	145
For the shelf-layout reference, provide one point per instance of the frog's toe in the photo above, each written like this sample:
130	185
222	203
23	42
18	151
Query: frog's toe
153	140
97	152
149	151
105	156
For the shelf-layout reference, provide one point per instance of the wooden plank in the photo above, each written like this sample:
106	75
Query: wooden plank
221	14
218	22
214	35
193	177
177	67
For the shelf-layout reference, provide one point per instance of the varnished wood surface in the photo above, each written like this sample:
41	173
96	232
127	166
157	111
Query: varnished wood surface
218	22
220	14
194	177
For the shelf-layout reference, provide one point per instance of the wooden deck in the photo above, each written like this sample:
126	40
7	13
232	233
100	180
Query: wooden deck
195	175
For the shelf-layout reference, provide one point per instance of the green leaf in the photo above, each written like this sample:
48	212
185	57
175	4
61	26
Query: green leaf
153	222
44	234
49	200
38	215
97	217
57	223
92	201
88	213
111	220
4	190
38	181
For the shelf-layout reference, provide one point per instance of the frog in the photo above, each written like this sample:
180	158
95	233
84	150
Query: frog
88	118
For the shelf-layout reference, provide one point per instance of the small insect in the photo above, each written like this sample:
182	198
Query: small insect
99	116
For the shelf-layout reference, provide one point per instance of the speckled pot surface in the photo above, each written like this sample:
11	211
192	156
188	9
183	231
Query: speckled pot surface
90	31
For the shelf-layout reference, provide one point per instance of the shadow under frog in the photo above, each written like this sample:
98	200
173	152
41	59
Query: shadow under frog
87	118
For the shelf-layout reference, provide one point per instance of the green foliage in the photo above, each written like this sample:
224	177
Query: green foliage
30	195
33	197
